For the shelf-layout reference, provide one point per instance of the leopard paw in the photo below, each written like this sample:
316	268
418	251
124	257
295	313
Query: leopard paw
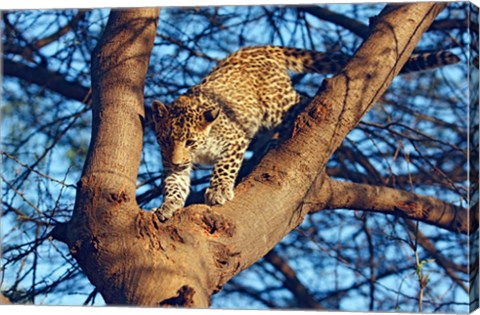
166	210
218	195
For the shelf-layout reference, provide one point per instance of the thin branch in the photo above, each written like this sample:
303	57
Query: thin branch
37	172
183	46
291	281
449	24
61	31
448	265
43	77
363	30
352	25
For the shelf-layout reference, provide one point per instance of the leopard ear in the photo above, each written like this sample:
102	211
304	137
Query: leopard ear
160	111
183	99
211	114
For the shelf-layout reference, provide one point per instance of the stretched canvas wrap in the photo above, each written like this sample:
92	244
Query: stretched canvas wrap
310	157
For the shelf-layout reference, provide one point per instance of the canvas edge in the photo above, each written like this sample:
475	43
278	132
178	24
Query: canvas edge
474	156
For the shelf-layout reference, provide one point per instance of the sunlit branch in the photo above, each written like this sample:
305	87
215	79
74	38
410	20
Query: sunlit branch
344	195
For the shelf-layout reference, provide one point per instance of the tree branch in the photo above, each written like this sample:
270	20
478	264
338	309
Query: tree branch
261	221
45	78
292	283
103	234
362	30
345	195
4	300
449	266
342	20
29	50
449	24
42	42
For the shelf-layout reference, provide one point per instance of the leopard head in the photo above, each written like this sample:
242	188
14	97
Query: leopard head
182	127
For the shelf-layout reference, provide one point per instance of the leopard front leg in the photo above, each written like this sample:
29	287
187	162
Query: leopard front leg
176	187
225	172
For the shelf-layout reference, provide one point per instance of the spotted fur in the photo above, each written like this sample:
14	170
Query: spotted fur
214	121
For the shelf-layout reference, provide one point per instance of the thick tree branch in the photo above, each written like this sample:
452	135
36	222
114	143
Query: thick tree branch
345	195
103	234
262	221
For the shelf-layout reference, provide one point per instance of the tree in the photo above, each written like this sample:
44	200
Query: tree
130	257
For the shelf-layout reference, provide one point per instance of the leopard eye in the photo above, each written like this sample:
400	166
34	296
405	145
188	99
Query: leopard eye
189	143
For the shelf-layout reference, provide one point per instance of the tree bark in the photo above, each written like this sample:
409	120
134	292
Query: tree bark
334	194
133	258
101	233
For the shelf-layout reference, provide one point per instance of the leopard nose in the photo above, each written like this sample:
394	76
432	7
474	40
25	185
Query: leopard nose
180	160
180	154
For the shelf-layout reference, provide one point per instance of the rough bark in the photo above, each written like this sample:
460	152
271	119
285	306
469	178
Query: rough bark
129	255
101	233
4	300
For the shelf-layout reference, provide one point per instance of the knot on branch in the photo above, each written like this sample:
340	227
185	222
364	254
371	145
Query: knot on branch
414	209
214	223
184	297
147	225
174	234
60	232
118	197
226	261
273	177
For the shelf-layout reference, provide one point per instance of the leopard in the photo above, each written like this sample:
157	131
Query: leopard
214	122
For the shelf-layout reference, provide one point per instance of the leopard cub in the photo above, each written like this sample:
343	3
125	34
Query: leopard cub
214	121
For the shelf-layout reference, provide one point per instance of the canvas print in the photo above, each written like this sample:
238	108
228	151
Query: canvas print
313	157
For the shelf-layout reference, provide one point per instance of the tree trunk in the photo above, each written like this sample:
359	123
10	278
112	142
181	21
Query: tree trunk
133	258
